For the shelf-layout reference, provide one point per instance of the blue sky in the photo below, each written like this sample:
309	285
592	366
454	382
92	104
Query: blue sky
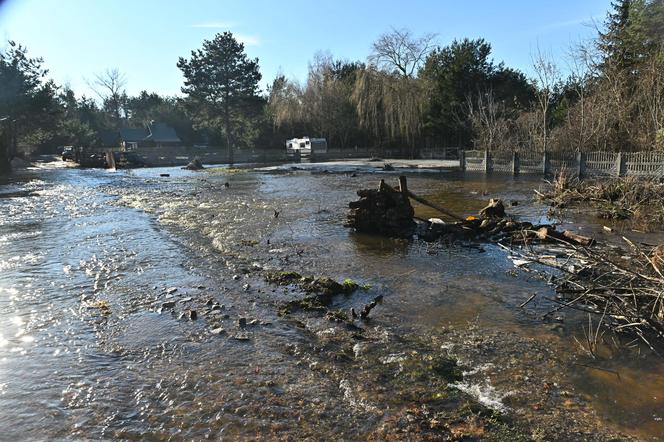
144	38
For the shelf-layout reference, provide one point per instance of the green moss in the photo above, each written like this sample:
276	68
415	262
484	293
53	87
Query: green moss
283	278
350	285
310	303
423	366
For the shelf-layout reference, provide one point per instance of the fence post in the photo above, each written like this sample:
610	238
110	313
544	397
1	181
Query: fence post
516	164
620	164
487	161
462	160
545	163
581	164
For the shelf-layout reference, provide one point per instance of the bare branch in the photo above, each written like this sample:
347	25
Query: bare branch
398	51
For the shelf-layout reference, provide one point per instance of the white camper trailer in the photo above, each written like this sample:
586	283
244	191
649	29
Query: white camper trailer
306	146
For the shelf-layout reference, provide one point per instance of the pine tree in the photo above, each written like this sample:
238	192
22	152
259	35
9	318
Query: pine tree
631	34
221	83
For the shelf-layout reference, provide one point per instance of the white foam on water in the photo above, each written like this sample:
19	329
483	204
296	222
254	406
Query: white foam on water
485	394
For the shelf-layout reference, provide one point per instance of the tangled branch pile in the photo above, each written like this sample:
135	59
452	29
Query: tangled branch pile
624	288
637	199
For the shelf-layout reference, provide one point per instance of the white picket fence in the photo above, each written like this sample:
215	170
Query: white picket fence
647	164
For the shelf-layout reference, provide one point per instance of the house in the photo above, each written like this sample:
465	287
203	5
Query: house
163	135
108	138
153	135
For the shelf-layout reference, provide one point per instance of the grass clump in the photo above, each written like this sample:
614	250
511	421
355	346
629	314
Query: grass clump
350	286
636	199
225	170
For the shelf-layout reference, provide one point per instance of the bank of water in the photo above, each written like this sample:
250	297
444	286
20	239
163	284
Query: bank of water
89	259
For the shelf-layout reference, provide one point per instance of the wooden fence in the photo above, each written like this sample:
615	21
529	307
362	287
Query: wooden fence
590	164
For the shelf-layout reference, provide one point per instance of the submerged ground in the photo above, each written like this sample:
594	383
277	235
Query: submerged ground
100	272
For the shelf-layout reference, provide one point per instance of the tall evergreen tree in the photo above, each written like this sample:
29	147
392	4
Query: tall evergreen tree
27	102
633	32
454	73
221	84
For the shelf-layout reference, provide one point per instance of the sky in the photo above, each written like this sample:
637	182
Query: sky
145	38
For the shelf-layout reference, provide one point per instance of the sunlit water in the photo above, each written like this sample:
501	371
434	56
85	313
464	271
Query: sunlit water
88	258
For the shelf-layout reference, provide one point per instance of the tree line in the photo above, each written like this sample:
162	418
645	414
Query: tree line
408	94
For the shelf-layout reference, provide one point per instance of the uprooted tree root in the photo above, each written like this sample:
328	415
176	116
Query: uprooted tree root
637	199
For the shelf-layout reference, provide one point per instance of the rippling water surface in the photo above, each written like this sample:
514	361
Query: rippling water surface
89	259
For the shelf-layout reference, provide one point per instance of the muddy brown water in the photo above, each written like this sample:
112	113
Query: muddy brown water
89	257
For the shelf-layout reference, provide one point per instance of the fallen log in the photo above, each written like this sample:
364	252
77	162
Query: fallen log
435	206
567	236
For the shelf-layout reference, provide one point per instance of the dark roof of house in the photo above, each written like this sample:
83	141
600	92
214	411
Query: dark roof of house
132	134
108	138
162	133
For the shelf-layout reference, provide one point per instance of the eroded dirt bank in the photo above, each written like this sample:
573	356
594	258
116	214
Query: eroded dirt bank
446	354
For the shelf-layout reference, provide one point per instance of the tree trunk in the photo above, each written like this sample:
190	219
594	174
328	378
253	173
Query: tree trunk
227	123
6	142
5	165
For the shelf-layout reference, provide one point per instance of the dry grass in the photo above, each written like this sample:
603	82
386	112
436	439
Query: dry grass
637	199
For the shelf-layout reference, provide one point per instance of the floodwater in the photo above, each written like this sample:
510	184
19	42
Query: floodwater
100	270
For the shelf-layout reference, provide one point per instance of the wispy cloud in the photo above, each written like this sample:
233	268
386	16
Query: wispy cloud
575	22
248	40
214	25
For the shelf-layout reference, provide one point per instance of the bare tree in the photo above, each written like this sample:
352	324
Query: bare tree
490	124
649	99
547	78
109	87
399	51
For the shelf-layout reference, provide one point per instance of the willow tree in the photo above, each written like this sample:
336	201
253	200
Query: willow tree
285	102
322	107
389	98
389	106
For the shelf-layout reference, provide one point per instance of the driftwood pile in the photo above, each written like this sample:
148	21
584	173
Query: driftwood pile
382	211
387	211
624	289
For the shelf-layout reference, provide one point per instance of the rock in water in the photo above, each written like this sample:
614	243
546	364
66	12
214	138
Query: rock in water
194	164
382	211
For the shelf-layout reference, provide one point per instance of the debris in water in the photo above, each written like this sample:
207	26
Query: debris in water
194	164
